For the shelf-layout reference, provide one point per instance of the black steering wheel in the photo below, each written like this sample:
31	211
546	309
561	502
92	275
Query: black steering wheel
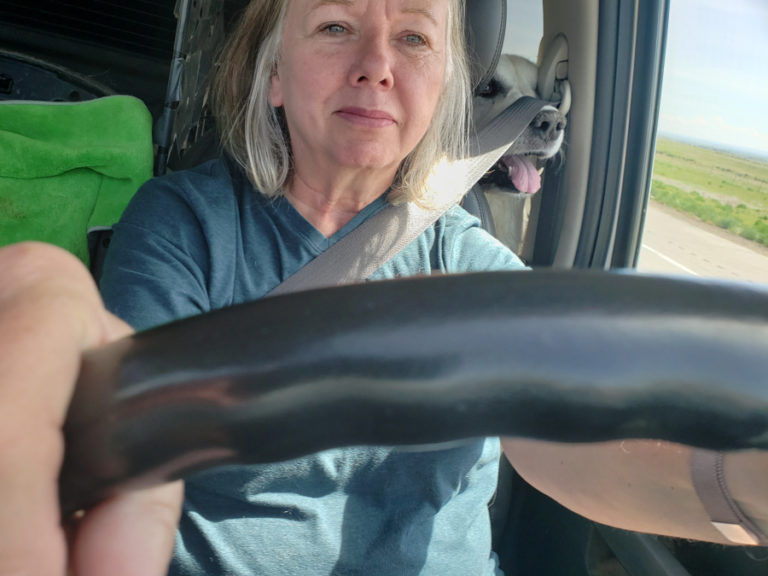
566	356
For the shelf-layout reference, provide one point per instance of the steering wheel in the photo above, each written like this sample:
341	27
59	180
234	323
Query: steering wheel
564	356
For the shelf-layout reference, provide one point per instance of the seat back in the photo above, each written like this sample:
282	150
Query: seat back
486	25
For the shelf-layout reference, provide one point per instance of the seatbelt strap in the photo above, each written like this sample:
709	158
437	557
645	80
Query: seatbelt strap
380	238
708	478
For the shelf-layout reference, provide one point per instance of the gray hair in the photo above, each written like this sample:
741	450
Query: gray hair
255	134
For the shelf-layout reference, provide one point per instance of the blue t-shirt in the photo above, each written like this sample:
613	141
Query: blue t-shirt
202	239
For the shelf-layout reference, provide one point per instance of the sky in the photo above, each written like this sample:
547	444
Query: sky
524	28
715	89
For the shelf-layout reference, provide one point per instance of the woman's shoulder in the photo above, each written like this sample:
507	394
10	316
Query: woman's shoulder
457	218
469	247
208	181
206	192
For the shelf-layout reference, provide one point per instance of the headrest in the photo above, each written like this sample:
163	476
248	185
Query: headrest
486	24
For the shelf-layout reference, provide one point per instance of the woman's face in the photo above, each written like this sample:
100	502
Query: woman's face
359	81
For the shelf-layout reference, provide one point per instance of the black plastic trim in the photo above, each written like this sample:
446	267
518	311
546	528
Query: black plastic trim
641	141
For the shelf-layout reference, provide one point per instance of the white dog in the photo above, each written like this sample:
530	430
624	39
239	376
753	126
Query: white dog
516	176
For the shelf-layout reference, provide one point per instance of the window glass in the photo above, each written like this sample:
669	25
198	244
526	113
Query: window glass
708	213
525	27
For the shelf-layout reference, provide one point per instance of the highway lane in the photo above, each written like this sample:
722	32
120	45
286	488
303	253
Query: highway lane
676	244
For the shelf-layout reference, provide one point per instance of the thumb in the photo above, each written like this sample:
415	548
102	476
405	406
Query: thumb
130	535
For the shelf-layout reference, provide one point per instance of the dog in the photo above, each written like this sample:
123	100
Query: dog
517	176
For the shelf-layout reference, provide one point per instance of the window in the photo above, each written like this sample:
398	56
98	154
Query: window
525	27
708	214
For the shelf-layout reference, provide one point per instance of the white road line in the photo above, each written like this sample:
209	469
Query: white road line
670	260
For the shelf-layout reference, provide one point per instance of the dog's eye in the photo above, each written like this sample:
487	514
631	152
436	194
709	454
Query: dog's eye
489	90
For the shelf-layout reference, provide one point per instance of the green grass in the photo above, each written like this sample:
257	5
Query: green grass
717	187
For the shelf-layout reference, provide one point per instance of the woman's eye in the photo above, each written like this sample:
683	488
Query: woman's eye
334	29
416	39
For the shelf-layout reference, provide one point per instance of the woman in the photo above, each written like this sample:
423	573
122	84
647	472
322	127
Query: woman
328	110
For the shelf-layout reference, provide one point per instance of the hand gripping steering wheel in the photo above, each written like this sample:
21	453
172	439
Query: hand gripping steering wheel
565	356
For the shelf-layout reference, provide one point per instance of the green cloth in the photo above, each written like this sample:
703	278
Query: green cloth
68	167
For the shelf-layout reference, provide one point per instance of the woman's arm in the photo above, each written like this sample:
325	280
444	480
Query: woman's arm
639	485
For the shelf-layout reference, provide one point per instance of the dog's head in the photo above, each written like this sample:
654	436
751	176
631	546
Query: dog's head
517	171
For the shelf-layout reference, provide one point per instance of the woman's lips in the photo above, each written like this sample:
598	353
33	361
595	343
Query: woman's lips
364	117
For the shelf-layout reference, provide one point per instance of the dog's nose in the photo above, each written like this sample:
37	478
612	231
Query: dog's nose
550	122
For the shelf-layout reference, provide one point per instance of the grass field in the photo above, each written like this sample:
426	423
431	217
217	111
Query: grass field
717	187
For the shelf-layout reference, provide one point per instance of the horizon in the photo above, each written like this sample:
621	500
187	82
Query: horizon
745	153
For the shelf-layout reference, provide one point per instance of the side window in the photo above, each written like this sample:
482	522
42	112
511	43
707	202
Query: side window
708	213
525	27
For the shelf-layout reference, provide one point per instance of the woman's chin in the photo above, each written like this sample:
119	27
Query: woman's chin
370	158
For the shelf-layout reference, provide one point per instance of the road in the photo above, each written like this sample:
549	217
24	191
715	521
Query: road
676	244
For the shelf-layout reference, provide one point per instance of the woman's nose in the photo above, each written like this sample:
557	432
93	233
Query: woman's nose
374	62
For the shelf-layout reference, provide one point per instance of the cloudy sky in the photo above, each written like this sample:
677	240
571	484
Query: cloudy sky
716	74
716	77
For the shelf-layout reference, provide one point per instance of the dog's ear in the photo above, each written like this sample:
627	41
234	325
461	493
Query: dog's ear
526	75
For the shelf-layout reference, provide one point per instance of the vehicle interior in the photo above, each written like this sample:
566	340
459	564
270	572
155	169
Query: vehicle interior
145	51
605	59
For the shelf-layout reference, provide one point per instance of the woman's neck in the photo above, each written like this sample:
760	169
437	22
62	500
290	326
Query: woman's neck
330	208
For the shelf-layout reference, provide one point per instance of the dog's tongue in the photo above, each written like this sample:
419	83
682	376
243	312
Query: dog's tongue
523	174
